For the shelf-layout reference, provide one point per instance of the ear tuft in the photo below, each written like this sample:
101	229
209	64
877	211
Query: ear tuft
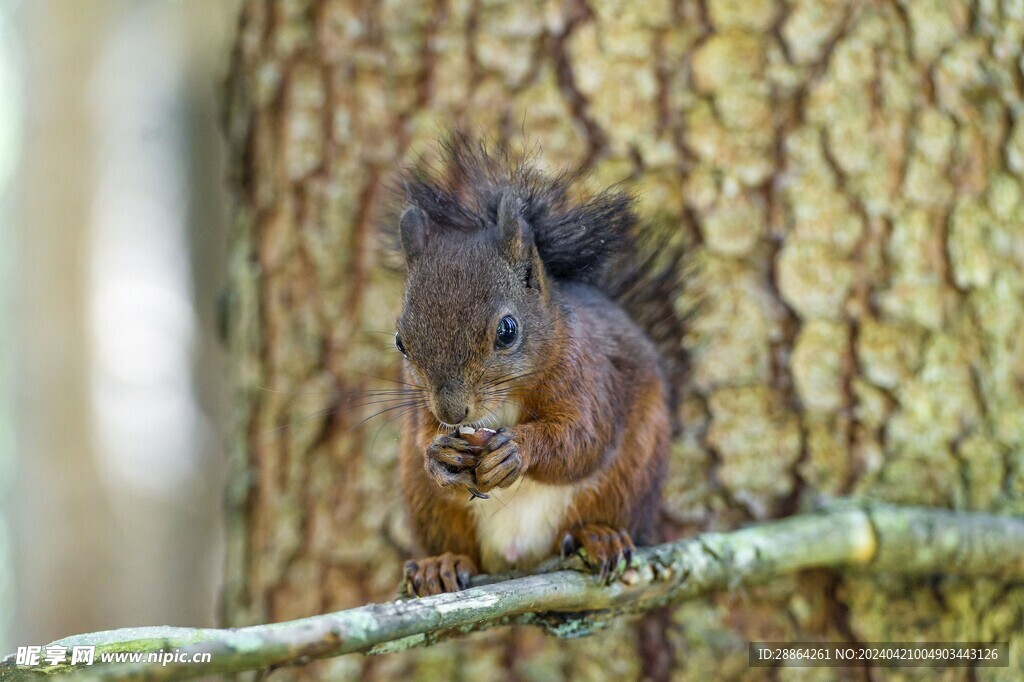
513	230
413	228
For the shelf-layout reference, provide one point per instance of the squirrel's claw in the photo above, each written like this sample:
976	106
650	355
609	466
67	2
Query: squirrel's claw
449	461
603	549
475	494
499	468
436	575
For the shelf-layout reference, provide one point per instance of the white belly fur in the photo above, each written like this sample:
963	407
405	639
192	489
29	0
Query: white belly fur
516	527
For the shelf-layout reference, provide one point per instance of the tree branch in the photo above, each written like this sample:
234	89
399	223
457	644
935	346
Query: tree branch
872	538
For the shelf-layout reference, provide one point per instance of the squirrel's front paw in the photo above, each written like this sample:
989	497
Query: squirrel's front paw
500	464
450	461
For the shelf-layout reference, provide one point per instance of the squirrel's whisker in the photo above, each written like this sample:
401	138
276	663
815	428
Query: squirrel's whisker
392	381
334	409
409	405
278	391
506	379
301	420
398	415
383	401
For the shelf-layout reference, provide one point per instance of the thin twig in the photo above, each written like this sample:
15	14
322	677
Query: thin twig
871	538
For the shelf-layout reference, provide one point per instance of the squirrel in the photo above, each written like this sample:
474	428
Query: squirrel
520	312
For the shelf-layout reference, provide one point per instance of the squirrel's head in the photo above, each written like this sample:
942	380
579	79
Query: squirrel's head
477	312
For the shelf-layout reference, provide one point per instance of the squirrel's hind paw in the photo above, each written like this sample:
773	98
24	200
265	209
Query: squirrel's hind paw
603	549
435	575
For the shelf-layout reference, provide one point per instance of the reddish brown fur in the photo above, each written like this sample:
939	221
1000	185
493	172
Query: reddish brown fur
594	403
597	410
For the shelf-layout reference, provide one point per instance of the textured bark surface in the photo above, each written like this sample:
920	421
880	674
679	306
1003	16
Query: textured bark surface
855	170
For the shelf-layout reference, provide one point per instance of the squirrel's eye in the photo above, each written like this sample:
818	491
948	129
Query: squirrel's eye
400	345
508	330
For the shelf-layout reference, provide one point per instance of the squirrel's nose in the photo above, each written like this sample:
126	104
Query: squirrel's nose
452	414
450	403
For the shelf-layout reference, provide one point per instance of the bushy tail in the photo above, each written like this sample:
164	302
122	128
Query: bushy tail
577	235
650	282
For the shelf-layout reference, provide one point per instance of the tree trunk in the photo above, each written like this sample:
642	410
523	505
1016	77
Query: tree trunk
855	172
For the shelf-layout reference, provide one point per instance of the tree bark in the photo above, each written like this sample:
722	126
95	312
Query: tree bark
855	172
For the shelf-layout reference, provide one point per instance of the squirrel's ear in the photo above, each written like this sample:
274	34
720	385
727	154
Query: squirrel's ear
535	277
413	228
513	230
